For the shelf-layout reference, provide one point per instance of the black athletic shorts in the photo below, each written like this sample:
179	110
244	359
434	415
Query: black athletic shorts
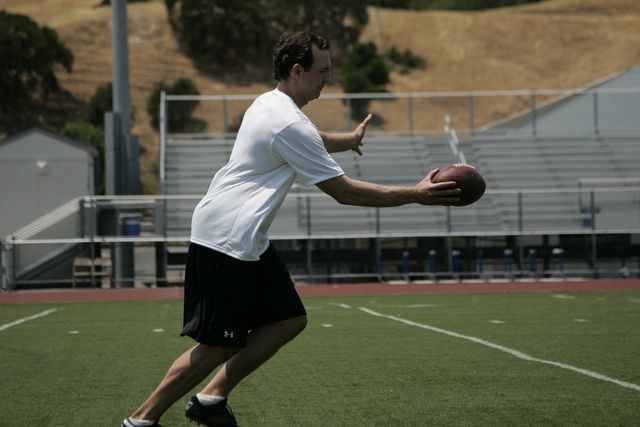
224	297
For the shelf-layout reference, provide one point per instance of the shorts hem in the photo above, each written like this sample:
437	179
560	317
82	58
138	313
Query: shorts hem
214	342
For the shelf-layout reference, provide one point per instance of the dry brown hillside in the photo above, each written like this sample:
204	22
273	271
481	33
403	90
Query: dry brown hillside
553	44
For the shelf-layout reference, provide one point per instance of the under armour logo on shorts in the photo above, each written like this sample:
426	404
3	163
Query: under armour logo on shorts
228	334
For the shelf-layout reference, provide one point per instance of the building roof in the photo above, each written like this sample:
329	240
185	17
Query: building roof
81	146
609	105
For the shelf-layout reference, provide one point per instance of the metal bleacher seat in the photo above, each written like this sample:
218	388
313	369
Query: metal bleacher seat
506	163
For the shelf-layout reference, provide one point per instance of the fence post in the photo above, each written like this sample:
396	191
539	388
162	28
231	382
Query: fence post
309	256
160	229
534	129
225	117
11	263
349	114
557	261
594	236
405	265
455	263
410	113
378	258
519	238
520	215
480	263
531	262
449	239
308	216
432	263
163	140
595	113
471	114
4	265
87	216
507	262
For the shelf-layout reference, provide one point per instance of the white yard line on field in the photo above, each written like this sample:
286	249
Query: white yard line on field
341	305
26	319
508	350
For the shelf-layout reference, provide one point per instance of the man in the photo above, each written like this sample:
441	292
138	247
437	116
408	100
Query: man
240	303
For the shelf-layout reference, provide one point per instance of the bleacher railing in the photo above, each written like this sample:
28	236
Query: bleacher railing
588	211
474	112
591	112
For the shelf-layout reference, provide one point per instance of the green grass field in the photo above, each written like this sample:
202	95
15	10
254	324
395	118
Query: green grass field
91	364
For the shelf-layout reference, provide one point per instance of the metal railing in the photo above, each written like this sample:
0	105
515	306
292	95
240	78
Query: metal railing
92	224
591	112
474	112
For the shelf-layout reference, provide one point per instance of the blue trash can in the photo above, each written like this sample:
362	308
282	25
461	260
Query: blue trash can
130	225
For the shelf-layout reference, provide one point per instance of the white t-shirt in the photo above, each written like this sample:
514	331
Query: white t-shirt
275	144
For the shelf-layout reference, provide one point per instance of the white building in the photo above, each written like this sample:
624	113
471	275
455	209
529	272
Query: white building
40	171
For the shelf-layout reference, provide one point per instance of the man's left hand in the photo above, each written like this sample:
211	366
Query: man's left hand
358	134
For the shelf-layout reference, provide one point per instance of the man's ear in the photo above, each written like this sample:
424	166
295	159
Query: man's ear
296	70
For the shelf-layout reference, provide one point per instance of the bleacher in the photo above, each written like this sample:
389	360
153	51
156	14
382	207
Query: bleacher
191	164
505	163
550	174
560	164
189	167
579	141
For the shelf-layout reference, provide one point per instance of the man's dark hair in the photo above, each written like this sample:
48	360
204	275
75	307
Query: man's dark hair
295	48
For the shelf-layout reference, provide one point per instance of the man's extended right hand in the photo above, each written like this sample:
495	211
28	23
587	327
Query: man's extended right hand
437	193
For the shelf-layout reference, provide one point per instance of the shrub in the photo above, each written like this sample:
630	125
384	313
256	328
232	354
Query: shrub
91	135
364	71
405	60
28	57
465	4
180	112
100	102
234	34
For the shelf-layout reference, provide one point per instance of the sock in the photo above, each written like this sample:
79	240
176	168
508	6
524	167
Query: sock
209	400
132	422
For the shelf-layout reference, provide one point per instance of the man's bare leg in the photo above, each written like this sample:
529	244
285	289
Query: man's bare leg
262	344
185	373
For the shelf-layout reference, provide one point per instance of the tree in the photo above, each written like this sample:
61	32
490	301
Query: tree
233	34
364	71
450	4
108	2
29	55
100	102
180	112
405	60
228	32
91	135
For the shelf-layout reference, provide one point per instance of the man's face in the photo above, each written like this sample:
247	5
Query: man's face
319	74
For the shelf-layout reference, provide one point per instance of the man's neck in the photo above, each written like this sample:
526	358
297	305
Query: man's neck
287	90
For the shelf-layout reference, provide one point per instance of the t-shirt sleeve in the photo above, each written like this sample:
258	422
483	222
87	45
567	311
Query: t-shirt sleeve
301	146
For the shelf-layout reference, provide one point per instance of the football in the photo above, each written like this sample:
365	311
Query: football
468	179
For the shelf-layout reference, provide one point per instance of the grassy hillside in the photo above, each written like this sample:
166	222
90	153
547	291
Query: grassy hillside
553	44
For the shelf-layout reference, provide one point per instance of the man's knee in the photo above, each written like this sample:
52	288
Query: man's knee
292	327
217	353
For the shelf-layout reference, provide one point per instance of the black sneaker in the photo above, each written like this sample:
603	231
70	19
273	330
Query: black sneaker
128	423
218	415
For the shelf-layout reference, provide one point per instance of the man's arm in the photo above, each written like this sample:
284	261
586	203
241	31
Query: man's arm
336	142
349	191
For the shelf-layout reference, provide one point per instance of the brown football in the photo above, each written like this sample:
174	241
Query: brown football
468	179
